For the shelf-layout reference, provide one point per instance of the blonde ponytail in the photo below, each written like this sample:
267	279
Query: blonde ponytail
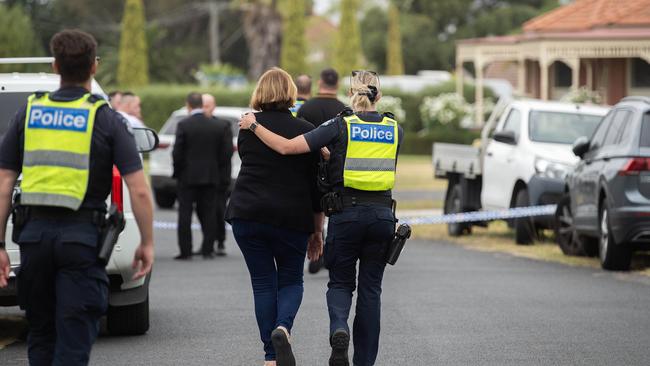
364	90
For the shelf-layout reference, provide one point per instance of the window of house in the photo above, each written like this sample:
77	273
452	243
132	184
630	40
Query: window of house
563	75
640	73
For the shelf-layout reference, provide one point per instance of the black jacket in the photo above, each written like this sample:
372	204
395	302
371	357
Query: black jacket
272	188
199	152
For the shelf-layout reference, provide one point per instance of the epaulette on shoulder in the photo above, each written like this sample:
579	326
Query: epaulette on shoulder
389	115
40	94
94	98
346	112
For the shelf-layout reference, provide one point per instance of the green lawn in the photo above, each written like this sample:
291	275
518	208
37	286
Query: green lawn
415	173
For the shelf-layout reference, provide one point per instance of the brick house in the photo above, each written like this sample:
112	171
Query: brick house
603	45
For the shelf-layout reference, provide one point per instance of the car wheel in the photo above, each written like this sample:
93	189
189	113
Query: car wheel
566	234
128	320
613	256
165	199
524	227
454	205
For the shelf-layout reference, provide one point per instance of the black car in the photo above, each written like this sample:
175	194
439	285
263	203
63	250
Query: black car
606	208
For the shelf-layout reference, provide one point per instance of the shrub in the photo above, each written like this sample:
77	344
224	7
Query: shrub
392	105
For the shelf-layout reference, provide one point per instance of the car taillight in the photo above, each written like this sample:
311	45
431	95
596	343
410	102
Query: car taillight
163	145
117	196
634	166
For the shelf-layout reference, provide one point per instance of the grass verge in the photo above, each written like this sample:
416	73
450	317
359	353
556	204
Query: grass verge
497	237
415	173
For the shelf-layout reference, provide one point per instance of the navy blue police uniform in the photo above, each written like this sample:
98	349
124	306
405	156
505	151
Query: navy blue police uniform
61	285
360	232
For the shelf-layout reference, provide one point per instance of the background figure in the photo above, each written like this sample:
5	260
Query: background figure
197	153
114	99
303	84
273	209
129	107
209	105
325	105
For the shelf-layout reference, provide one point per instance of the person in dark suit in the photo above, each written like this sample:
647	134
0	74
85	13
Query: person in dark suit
325	105
198	159
209	105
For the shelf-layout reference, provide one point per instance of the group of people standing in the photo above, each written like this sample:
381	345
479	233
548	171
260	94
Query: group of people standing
127	104
299	162
202	166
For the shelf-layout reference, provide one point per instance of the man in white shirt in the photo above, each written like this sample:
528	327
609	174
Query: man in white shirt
129	108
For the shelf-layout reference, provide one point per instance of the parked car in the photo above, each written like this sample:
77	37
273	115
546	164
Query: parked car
524	155
160	160
128	311
606	207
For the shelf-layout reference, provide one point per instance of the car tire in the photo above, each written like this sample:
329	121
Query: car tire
164	199
128	320
566	234
613	256
454	205
524	227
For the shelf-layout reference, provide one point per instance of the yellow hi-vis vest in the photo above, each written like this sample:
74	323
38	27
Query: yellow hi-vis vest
296	107
56	158
371	154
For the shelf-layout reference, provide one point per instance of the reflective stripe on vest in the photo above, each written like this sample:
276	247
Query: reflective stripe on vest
296	107
56	160
371	154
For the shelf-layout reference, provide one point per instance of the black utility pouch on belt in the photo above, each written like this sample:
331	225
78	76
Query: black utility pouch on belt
331	203
19	217
111	230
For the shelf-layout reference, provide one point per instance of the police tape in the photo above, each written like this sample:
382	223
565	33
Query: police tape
479	216
167	225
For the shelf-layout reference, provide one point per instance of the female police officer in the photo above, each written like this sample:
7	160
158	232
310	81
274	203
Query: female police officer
364	148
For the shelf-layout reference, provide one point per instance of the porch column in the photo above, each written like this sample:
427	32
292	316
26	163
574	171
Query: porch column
459	78
575	73
478	65
589	69
521	77
543	82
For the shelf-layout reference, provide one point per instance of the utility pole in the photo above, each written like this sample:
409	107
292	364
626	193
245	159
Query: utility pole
215	54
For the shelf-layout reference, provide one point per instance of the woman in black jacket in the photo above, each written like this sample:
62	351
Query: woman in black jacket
275	215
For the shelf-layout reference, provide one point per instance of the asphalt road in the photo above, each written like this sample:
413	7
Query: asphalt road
443	305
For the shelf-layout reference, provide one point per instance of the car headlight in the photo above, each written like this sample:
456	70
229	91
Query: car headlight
551	169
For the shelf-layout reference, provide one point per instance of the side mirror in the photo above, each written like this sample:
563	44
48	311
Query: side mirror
506	137
581	146
146	139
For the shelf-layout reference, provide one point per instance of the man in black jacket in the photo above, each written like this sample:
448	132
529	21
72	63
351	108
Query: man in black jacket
198	159
325	105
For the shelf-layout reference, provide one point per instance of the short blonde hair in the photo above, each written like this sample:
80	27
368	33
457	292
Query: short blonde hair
359	90
275	90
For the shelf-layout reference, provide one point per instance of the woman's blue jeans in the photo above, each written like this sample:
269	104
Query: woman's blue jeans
275	258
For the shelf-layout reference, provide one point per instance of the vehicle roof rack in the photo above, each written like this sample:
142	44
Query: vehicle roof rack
636	99
26	60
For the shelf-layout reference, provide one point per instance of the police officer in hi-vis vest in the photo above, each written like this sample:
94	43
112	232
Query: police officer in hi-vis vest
364	146
65	144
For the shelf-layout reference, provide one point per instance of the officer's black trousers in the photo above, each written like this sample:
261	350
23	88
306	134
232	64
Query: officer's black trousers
205	199
358	234
63	289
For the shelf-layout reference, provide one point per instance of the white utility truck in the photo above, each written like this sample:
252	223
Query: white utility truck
523	158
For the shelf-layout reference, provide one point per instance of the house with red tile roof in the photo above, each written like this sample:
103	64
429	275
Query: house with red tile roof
603	45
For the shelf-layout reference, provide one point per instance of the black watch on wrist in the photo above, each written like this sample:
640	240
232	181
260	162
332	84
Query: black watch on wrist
253	126
3	245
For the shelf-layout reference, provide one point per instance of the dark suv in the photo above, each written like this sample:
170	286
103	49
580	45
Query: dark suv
606	209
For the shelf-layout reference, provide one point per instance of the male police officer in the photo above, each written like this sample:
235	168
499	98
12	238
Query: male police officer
303	83
65	144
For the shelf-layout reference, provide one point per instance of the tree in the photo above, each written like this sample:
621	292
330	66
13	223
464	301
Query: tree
133	67
263	31
394	56
348	41
17	38
294	47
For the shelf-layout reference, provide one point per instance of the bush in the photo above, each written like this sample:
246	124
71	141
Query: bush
421	144
159	101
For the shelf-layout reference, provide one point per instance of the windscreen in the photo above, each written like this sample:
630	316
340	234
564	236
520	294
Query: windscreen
561	127
9	105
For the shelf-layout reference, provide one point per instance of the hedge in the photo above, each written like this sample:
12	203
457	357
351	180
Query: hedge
160	100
